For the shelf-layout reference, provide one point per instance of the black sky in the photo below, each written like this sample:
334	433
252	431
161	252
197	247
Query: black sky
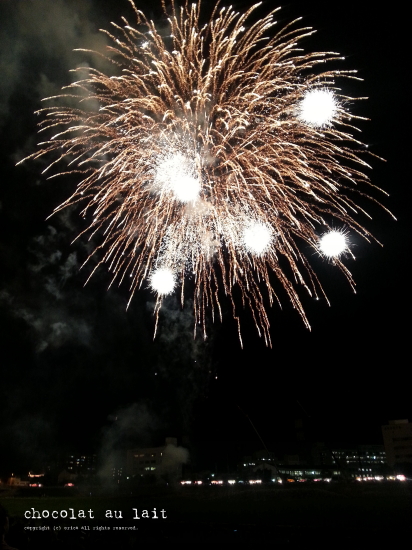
73	360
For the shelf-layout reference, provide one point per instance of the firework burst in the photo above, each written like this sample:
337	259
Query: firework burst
218	153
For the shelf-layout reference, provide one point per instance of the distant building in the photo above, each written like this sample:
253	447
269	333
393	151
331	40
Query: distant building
15	481
353	460
348	461
73	467
397	438
84	465
112	466
158	461
264	465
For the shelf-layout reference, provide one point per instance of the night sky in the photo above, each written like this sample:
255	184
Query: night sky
80	373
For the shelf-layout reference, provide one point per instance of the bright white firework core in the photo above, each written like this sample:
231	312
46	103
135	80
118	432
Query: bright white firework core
176	173
318	108
257	237
333	244
162	281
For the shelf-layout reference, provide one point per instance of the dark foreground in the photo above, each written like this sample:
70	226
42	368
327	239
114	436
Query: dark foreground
286	517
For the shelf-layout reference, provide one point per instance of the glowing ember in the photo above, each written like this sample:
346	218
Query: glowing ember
257	237
162	281
333	244
318	108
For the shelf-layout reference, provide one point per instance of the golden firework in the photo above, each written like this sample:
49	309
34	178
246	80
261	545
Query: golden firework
215	153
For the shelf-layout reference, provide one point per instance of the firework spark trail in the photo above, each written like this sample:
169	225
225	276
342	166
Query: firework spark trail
213	155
